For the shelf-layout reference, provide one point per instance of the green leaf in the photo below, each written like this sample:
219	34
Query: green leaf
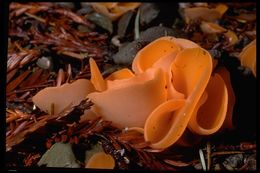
59	155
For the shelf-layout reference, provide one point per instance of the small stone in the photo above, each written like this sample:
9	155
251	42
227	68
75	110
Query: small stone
45	62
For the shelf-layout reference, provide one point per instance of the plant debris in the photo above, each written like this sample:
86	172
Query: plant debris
101	20
50	44
59	155
127	53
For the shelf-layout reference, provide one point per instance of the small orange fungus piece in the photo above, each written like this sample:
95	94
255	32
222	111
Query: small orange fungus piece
96	77
62	96
101	160
211	28
116	9
248	56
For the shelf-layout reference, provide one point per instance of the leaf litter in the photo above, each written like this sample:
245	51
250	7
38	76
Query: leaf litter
48	45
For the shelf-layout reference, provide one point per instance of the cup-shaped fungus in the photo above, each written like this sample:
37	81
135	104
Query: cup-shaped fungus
171	88
212	111
159	54
248	56
213	28
224	73
191	72
204	13
128	102
54	100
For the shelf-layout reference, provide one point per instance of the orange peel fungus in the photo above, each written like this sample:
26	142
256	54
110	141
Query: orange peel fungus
114	10
248	56
101	160
56	99
172	87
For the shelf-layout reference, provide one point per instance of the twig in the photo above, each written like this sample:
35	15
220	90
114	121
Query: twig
208	156
72	54
202	160
39	18
69	72
226	153
137	31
